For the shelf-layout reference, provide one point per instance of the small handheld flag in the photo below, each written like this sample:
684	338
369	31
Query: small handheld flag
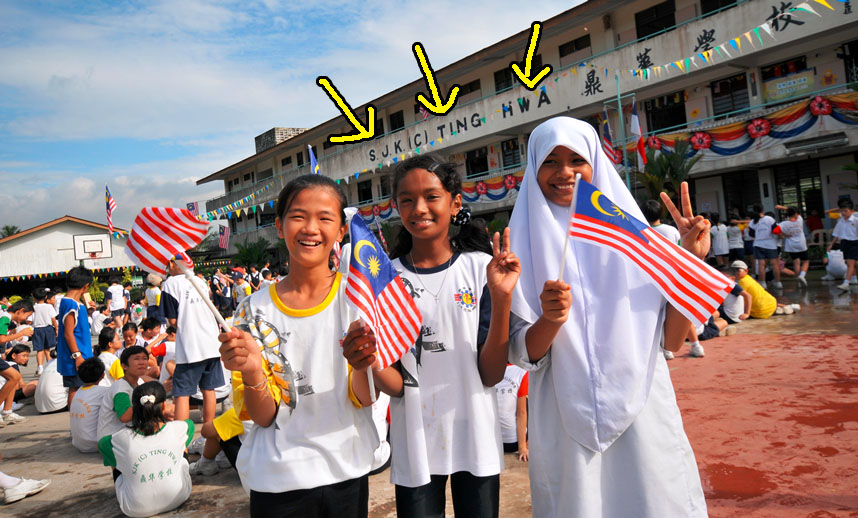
111	206
693	287
314	166
378	294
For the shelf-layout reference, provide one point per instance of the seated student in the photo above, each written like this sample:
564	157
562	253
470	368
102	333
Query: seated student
222	440
150	473
737	306
138	311
150	332
512	410
115	413
16	357
109	345
166	351
100	320
86	405
763	303
51	395
130	335
835	265
16	314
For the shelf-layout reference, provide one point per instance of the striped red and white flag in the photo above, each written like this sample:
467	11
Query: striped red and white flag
380	297
160	234
223	236
693	287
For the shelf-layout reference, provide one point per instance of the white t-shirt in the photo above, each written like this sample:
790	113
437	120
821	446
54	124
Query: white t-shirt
794	238
57	300
117	297
763	237
509	389
170	354
446	420
734	237
836	266
108	422
325	439
153	296
98	320
83	417
242	291
43	313
668	231
112	369
51	395
155	476
734	304
379	417
720	244
197	329
847	228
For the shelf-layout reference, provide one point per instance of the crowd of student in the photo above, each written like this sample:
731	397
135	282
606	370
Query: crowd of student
501	338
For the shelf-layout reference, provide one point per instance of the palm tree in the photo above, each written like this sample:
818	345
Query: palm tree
248	253
9	230
665	172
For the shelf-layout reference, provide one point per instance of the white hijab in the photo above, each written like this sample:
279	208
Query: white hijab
603	358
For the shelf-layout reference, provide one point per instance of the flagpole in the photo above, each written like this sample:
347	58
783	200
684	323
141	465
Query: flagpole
369	377
571	212
203	295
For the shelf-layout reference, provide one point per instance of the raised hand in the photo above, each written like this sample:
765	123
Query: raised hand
504	269
693	230
359	346
240	352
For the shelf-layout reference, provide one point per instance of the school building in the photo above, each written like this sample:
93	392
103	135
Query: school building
765	90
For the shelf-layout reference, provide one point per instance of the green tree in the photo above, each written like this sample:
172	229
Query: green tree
665	172
253	252
8	230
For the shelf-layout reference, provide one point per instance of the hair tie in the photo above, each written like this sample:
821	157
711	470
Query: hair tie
463	217
433	167
147	399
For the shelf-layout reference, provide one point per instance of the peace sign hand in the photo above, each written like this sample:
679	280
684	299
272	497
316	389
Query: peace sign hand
504	268
693	230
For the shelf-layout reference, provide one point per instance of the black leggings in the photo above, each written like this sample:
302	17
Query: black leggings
349	499
474	497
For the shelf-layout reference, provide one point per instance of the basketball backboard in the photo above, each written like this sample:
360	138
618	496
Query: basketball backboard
92	246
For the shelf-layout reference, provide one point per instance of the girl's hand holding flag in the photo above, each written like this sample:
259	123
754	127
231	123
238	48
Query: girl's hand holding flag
359	346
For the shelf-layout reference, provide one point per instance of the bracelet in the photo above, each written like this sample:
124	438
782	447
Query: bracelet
259	386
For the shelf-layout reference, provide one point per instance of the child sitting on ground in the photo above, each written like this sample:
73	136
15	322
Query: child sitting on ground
115	410
130	335
222	437
763	303
51	395
17	356
835	266
86	405
737	306
150	474
109	345
166	351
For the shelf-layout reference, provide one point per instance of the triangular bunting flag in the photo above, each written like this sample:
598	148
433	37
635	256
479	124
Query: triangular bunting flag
747	36
757	33
768	28
823	2
806	7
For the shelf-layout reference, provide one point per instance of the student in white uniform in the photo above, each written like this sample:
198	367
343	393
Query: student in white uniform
720	239
115	413
765	246
795	242
86	405
150	474
308	454
116	302
606	436
51	395
109	345
512	411
445	424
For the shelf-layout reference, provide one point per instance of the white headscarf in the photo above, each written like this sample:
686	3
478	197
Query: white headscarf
603	358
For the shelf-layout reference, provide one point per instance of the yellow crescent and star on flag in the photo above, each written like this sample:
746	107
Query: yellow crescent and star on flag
374	264
617	212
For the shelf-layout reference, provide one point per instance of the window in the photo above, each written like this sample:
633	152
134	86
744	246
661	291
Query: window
655	19
573	46
300	158
248	177
232	226
268	173
266	219
710	6
730	95
850	60
798	185
385	186
364	191
476	161
315	153
784	68
510	153
397	120
286	162
473	86
379	128
665	112
327	144
739	199
503	79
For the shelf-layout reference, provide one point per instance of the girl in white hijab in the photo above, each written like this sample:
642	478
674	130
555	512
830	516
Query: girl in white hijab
606	436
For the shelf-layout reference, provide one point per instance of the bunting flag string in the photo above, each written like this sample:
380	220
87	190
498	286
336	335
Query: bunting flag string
50	275
237	207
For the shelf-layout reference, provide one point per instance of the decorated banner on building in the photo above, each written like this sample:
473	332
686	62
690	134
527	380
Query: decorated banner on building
244	205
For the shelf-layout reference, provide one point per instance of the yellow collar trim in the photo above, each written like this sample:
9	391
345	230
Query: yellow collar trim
272	289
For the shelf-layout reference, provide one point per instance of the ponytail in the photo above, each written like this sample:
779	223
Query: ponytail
471	238
758	210
147	414
105	337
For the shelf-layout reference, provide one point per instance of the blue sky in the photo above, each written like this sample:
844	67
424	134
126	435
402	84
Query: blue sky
150	96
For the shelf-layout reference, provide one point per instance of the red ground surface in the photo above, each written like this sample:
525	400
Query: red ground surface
773	420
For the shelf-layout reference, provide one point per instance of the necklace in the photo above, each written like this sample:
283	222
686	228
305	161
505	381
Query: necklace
441	287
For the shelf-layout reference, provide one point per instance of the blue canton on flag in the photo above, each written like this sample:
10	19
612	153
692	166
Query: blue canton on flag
376	291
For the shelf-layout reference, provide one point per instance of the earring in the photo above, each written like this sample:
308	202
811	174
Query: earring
463	217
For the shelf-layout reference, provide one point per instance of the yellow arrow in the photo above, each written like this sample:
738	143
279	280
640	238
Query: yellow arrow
524	77
439	107
363	133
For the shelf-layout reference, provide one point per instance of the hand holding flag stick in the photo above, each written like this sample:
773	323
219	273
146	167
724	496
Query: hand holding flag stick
571	222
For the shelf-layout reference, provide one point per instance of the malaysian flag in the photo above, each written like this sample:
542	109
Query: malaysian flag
607	142
159	234
636	132
194	207
424	112
223	236
111	206
693	287
314	166
378	294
